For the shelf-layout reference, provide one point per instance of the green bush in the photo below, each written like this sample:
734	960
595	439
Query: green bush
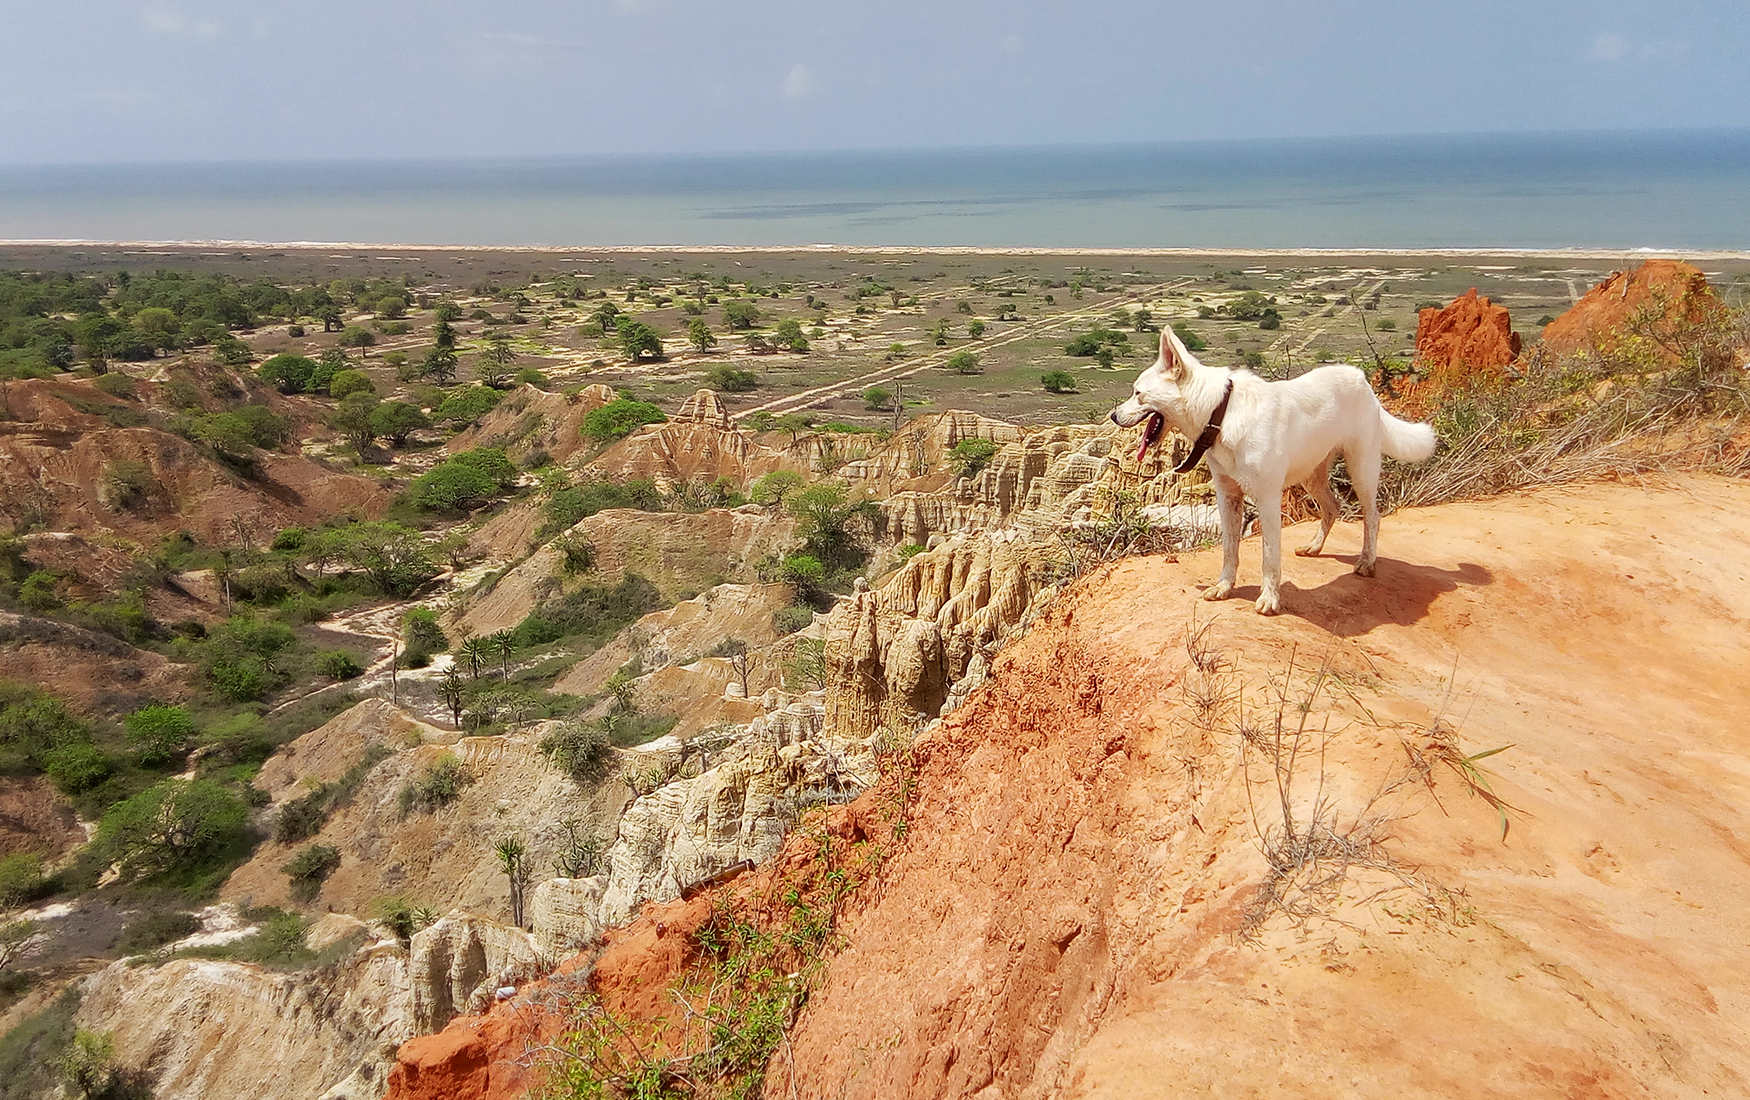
172	826
575	502
159	732
964	362
1058	381
154	929
288	373
580	749
350	381
437	786
21	880
730	380
116	385
876	399
788	620
1089	344
467	404
309	869
971	455
1188	337
592	612
338	665
77	768
618	418
452	488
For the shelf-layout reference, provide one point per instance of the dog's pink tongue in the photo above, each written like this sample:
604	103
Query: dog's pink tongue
1148	435
1143	450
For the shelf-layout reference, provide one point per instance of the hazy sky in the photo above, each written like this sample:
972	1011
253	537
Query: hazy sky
115	80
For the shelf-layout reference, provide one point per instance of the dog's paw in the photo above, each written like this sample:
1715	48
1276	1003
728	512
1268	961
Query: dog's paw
1220	590
1268	604
1364	568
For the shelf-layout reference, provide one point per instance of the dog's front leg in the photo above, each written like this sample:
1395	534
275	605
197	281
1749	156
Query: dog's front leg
1230	506
1270	527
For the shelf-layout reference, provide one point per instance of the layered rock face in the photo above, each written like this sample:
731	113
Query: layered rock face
676	551
1468	342
1659	297
699	444
456	964
201	1028
896	655
531	420
443	858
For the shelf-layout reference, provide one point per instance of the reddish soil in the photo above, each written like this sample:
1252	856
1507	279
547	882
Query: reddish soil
1469	342
1080	906
1659	295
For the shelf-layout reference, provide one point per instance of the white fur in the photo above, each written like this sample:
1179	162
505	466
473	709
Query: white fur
1277	434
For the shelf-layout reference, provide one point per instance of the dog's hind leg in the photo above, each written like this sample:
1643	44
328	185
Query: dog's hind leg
1270	526
1230	505
1364	476
1318	486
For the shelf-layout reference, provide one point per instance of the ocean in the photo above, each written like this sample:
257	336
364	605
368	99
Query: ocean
1683	190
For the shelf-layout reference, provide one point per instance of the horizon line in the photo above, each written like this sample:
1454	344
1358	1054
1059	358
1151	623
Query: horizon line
1588	253
999	147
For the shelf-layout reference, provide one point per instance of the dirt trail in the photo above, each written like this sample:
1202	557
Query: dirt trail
1030	330
1085	850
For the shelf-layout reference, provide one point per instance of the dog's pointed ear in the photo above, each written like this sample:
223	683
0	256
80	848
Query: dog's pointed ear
1175	359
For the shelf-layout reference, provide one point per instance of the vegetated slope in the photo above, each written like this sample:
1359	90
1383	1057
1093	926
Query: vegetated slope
1084	863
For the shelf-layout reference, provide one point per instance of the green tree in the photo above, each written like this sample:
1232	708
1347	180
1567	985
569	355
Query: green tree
975	329
159	731
503	643
876	399
348	382
1058	381
699	335
513	860
788	334
772	488
352	418
473	651
637	339
829	522
618	418
496	361
356	336
287	373
396	559
467	404
172	825
740	315
964	362
606	315
396	420
454	695
447	311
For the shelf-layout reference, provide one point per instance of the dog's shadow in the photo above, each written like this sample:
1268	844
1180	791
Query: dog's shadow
1399	593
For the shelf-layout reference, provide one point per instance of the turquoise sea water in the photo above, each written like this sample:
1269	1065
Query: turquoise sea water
1672	189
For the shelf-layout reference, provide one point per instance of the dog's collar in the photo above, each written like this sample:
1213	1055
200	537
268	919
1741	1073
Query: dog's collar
1211	431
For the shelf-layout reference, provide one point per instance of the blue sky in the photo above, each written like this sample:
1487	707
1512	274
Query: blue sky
116	80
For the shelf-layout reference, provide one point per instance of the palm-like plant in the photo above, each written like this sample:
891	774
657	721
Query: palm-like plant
472	650
503	645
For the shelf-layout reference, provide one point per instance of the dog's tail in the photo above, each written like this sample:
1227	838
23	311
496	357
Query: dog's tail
1406	441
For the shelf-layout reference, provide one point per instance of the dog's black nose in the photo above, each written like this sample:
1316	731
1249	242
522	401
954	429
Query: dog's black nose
1113	417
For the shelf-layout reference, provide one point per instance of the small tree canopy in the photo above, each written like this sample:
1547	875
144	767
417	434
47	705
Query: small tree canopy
618	418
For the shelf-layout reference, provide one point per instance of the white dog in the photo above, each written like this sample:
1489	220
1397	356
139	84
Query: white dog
1260	437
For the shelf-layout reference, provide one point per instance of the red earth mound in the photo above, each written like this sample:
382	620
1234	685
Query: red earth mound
1658	297
1467	343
